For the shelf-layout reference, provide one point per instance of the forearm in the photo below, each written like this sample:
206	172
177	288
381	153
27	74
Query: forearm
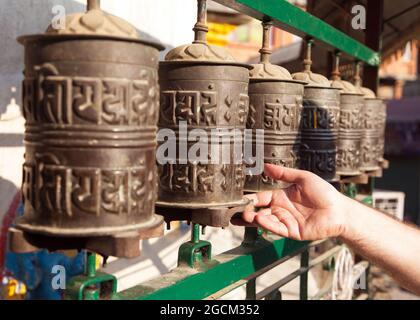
384	241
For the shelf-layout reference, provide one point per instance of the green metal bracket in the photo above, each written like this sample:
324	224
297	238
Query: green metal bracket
350	190
195	253
101	286
92	285
293	19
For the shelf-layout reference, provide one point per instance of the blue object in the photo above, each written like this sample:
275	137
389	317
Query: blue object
35	269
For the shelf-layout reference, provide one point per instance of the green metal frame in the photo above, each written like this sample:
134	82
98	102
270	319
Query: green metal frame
293	19
199	278
92	285
215	274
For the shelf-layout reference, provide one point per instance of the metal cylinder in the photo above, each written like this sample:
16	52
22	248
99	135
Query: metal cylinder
371	136
211	97
350	134
202	87
320	121
90	100
275	107
319	130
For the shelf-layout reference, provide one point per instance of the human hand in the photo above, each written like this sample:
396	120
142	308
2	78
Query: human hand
309	209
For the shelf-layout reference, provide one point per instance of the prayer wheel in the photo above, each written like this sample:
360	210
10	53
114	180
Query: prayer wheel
204	100
275	107
350	133
90	101
371	126
320	122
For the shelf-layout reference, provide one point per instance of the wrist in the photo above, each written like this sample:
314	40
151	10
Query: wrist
349	209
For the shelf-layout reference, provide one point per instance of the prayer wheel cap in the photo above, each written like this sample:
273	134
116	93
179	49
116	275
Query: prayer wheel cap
269	71
95	22
345	86
312	79
199	52
264	70
92	24
367	93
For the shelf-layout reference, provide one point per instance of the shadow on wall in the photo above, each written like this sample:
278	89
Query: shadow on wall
26	17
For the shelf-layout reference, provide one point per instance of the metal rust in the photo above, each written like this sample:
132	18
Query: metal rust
90	101
320	122
350	133
201	88
275	107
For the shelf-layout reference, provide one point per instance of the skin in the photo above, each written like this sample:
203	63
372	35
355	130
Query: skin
311	209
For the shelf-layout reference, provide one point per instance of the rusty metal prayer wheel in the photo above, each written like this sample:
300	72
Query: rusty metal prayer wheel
202	88
350	133
371	128
90	100
320	122
275	106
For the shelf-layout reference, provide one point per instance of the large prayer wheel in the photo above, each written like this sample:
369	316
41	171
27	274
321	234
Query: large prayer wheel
91	101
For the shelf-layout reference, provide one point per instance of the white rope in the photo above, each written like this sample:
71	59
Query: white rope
343	279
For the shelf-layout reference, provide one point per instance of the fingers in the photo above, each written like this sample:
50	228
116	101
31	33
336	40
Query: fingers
276	220
285	174
269	224
260	199
289	221
249	216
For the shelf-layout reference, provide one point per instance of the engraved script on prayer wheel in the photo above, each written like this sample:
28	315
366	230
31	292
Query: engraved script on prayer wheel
371	139
275	106
350	133
320	122
202	87
90	100
371	128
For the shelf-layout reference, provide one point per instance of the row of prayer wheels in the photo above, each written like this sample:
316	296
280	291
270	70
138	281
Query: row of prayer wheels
95	95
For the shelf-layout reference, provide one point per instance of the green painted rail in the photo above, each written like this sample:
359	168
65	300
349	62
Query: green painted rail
227	268
293	19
